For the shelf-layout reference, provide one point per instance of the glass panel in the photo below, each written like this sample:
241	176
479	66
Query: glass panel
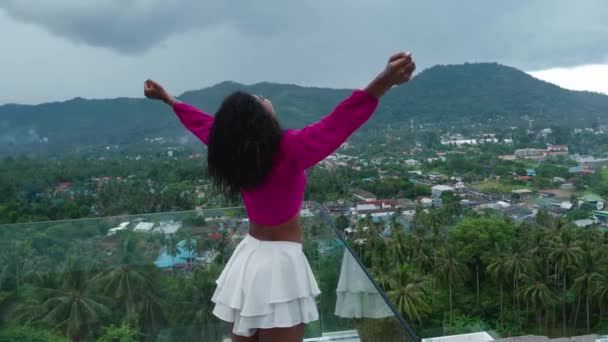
460	275
351	305
153	276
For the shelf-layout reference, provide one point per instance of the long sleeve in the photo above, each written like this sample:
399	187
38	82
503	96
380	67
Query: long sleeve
195	120
310	145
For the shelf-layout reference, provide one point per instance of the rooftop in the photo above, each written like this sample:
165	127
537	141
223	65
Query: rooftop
591	198
522	191
441	187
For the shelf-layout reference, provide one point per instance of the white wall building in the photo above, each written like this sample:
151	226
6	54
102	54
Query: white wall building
437	190
120	227
145	227
412	162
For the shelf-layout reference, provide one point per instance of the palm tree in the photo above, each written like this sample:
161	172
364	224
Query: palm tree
565	252
127	285
189	243
424	261
222	246
202	245
417	239
537	293
151	312
538	249
173	246
408	291
192	306
14	259
497	268
384	279
583	281
560	223
434	240
398	245
600	290
73	307
544	219
516	264
451	272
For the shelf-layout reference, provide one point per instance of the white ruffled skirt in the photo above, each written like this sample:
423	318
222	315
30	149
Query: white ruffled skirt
266	284
356	295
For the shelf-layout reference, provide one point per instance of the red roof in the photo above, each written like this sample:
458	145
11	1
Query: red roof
214	236
63	186
524	177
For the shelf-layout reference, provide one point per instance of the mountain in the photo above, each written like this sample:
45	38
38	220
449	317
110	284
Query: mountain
485	94
489	92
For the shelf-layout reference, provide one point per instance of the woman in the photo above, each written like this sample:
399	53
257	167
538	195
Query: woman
267	288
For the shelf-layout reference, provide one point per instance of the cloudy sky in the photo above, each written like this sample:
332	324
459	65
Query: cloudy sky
60	49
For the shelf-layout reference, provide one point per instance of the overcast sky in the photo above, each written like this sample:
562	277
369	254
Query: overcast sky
60	49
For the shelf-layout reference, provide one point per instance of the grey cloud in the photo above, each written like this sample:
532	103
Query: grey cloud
531	34
133	26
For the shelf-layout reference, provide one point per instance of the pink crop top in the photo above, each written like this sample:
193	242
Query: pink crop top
280	197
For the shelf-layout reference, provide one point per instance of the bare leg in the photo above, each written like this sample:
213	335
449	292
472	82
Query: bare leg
292	334
239	338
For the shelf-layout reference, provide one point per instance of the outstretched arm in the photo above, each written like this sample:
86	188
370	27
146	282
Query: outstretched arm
399	70
315	142
195	120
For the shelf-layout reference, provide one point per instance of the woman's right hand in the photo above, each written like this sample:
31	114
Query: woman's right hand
153	90
399	69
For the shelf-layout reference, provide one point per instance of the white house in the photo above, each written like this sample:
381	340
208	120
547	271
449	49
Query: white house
459	185
306	213
144	227
435	176
383	214
523	193
437	190
584	223
559	180
120	227
367	206
426	201
503	204
412	162
169	227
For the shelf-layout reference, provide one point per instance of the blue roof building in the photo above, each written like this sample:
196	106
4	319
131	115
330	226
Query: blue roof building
183	256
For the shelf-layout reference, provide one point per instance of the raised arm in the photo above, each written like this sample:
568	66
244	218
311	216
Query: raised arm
315	142
195	120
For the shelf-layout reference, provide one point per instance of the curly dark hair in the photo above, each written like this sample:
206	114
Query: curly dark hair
243	142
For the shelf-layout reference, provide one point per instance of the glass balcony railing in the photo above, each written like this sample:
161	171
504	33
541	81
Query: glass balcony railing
151	277
487	278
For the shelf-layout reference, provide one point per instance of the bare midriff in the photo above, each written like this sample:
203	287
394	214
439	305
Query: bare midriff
288	231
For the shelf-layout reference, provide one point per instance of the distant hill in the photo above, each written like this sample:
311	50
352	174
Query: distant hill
482	93
490	92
